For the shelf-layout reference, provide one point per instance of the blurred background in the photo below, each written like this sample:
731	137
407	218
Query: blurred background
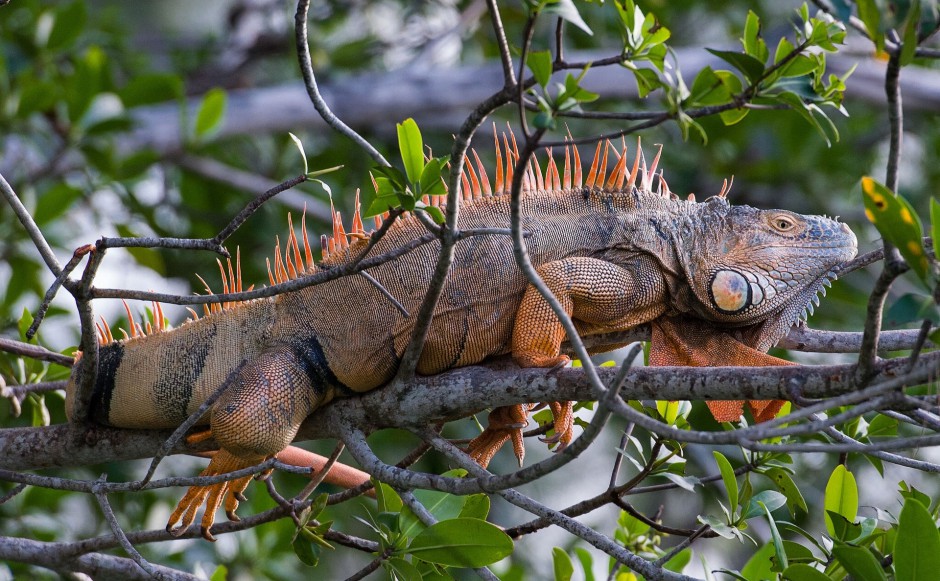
167	118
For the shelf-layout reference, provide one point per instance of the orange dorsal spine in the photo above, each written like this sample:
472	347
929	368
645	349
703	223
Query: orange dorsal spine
592	173
475	184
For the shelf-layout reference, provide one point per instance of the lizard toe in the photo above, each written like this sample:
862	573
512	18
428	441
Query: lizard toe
482	448
505	423
212	496
185	513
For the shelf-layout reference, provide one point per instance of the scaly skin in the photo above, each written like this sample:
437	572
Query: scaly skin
615	253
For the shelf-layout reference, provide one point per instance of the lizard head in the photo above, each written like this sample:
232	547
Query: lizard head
763	267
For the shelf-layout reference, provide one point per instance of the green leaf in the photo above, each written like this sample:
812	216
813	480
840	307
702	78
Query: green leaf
785	484
434	212
300	148
803	572
771	499
220	573
544	120
729	478
461	542
67	26
89	80
882	426
412	149
36	95
708	89
859	563
135	164
760	566
211	112
896	220
540	63
910	308
386	497
587	562
733	116
306	551
431	182
911	492
841	496
843	529
395	179
720	527
779	551
752	68
40	415
647	81
753	44
399	569
151	88
441	505
23	325
574	91
476	506
870	15
797	553
917	548
566	10
632	525
679	561
54	202
562	565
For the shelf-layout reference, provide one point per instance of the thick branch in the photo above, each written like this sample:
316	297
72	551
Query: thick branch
459	393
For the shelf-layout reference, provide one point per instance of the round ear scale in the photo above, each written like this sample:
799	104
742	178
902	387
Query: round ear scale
730	292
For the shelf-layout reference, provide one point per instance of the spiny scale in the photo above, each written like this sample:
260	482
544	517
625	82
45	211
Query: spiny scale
157	324
475	185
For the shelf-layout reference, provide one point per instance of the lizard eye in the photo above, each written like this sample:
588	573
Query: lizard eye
730	292
783	223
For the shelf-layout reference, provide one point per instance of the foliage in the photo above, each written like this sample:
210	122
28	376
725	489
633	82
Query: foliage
74	98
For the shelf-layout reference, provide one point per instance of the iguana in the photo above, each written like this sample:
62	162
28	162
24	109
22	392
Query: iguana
720	284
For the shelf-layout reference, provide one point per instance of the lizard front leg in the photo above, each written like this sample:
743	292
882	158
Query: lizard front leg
697	343
255	418
603	295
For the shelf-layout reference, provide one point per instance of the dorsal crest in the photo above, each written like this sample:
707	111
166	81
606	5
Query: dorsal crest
297	257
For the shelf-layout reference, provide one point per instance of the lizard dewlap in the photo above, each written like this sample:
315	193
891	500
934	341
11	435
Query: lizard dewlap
720	284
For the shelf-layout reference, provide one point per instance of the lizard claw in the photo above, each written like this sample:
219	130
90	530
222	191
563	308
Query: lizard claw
505	423
212	496
563	414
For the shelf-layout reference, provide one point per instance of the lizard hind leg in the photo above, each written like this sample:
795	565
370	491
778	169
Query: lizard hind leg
254	419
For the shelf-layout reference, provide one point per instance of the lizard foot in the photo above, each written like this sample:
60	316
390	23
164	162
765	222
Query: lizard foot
212	496
505	423
563	414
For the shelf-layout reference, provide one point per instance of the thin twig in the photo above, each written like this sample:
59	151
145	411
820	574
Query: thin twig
313	91
39	241
37	352
12	492
505	56
321	475
73	262
102	498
